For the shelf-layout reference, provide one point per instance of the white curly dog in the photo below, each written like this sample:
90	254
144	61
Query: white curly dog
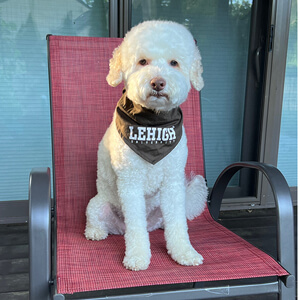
138	193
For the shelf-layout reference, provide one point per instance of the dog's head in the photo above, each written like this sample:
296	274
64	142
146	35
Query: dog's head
157	61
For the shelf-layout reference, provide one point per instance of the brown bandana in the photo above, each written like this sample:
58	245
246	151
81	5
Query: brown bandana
152	135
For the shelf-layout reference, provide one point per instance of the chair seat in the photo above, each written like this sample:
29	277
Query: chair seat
97	265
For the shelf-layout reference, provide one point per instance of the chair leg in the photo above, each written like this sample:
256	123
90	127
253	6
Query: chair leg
286	293
39	234
58	297
287	288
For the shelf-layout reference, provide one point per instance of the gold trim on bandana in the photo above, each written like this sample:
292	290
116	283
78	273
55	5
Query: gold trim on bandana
150	134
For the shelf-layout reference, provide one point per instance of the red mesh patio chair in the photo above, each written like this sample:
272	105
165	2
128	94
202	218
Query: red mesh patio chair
63	262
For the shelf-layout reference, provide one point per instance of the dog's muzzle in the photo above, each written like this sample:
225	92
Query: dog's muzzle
159	95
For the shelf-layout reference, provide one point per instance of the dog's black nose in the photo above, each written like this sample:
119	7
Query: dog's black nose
158	84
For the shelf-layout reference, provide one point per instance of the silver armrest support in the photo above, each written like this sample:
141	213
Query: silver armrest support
284	209
39	234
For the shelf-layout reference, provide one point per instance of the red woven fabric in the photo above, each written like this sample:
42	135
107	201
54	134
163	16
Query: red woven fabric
88	265
82	109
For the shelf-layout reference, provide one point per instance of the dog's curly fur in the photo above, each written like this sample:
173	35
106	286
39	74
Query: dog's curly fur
134	196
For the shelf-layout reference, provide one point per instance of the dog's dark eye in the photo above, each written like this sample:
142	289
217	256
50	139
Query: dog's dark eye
174	63
143	62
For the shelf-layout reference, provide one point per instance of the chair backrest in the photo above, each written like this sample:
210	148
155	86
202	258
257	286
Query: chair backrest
82	105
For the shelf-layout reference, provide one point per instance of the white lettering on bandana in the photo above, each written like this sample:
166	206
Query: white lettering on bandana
152	134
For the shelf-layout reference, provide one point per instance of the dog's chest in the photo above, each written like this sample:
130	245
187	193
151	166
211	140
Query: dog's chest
153	180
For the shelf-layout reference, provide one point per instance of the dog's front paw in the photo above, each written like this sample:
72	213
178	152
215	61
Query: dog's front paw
187	257
137	262
95	234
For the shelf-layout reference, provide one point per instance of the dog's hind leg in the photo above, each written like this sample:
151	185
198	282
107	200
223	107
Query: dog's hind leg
96	211
196	196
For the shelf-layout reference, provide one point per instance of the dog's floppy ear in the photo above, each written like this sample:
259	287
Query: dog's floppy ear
196	71
115	75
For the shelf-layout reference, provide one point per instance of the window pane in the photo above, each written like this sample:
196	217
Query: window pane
287	156
24	95
222	30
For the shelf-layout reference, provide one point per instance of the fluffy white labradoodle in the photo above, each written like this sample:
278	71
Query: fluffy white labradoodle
141	159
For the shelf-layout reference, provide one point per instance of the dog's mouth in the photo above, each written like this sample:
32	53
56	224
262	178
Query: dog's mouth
158	101
159	95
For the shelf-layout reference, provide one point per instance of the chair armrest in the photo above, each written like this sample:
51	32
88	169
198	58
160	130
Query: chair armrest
39	233
284	207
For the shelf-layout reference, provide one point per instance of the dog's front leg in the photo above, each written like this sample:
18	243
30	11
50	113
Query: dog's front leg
175	224
137	254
